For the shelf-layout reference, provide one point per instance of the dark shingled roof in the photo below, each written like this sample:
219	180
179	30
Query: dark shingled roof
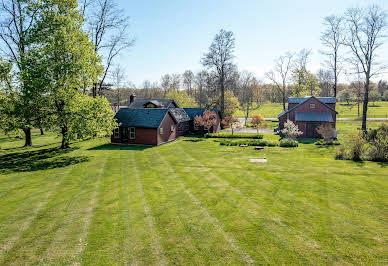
161	103
143	117
193	112
302	99
179	115
314	116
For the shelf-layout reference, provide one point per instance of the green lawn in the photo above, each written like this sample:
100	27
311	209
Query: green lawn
272	110
191	201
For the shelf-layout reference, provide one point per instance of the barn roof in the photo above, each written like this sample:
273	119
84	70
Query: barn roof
179	115
143	117
193	112
160	103
314	116
303	99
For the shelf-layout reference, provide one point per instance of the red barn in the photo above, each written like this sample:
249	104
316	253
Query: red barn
308	113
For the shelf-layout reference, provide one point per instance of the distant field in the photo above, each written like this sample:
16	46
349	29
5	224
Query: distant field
272	110
189	202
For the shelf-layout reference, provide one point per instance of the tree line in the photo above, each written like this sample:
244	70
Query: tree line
351	42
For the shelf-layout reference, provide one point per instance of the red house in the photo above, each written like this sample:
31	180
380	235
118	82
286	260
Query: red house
156	121
308	113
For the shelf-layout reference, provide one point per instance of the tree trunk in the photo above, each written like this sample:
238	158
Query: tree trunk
222	97
41	131
65	142
27	134
284	99
365	104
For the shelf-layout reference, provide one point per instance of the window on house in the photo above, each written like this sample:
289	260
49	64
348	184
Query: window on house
172	128
132	133
187	126
196	127
206	128
161	131
180	127
312	105
116	133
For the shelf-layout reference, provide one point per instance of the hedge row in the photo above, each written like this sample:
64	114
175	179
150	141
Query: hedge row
249	143
226	135
288	143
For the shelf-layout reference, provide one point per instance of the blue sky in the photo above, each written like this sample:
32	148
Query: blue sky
172	35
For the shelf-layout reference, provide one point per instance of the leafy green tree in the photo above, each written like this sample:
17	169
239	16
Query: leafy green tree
66	51
231	103
181	98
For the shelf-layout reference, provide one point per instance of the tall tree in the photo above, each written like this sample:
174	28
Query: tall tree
17	19
280	75
220	60
299	72
247	84
366	32
325	82
110	33
333	38
59	34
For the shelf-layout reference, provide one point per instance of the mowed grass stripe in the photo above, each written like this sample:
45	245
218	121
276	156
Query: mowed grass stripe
187	235
69	238
245	256
156	246
102	244
8	251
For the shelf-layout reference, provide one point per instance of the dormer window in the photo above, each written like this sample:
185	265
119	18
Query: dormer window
312	105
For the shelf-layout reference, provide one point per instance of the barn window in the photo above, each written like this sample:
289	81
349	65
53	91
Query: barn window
196	127
312	105
172	128
116	133
132	133
161	131
180	127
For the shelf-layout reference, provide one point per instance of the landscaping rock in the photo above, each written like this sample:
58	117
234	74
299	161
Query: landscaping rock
243	145
258	148
258	160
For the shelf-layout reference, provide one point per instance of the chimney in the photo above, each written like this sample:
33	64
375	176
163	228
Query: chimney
132	98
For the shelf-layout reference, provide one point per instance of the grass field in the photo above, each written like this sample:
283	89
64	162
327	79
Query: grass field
272	110
191	201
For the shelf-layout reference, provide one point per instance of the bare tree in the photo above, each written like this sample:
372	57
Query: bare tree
118	77
188	81
220	60
300	73
280	75
333	38
325	80
175	82
247	85
165	83
200	84
366	28
109	31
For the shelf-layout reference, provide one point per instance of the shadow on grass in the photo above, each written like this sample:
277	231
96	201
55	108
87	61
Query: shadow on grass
194	140
35	160
307	140
112	147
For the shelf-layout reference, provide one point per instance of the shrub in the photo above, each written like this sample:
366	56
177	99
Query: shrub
354	146
326	131
235	135
340	153
378	140
249	143
290	130
288	143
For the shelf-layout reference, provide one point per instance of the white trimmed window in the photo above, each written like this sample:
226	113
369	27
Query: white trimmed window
172	128
117	133
132	133
312	105
180	127
196	127
161	131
